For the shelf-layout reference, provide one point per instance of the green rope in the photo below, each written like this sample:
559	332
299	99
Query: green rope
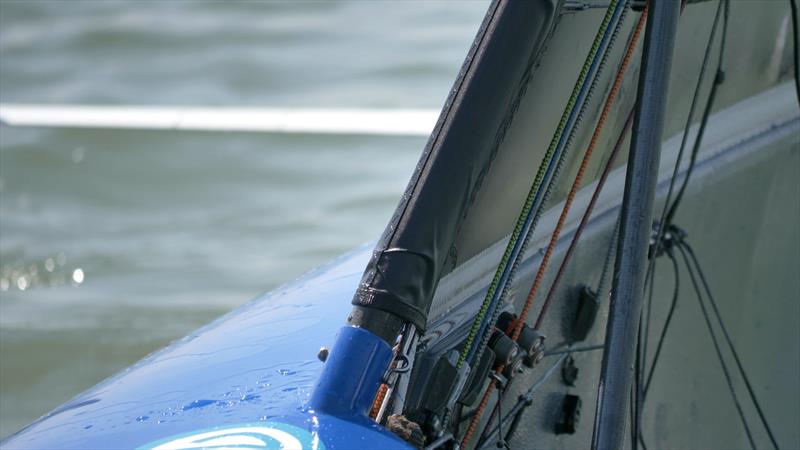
476	324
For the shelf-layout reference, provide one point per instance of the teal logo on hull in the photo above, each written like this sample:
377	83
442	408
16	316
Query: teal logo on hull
263	435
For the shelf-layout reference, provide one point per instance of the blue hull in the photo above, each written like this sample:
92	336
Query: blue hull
243	381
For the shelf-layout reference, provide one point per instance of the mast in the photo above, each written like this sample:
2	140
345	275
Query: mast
635	220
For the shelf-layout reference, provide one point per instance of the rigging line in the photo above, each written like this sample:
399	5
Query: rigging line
512	244
684	138
601	182
642	345
632	407
717	350
723	8
796	33
637	210
562	151
640	370
718	80
501	442
641	341
587	214
649	283
576	184
524	400
728	339
520	321
587	348
667	322
698	140
576	119
526	218
636	391
555	352
636	432
568	203
608	262
649	286
523	226
473	424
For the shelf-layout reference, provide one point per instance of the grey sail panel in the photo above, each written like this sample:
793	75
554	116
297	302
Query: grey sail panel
415	249
478	165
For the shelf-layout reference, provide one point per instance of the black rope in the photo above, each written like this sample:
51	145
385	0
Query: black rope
689	118
496	410
723	8
649	286
632	406
796	33
668	212
524	401
602	283
716	346
636	410
718	80
571	349
501	442
728	339
667	322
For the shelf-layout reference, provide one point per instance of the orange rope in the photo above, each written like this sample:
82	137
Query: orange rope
520	321
376	405
581	172
473	424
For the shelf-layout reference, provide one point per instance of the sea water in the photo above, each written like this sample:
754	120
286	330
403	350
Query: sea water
113	243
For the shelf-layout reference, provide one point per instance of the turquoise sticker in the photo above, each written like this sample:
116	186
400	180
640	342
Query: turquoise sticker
262	435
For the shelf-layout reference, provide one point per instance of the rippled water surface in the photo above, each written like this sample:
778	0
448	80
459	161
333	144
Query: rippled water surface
113	243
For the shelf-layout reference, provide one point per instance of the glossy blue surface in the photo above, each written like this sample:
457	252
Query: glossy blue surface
255	365
352	374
